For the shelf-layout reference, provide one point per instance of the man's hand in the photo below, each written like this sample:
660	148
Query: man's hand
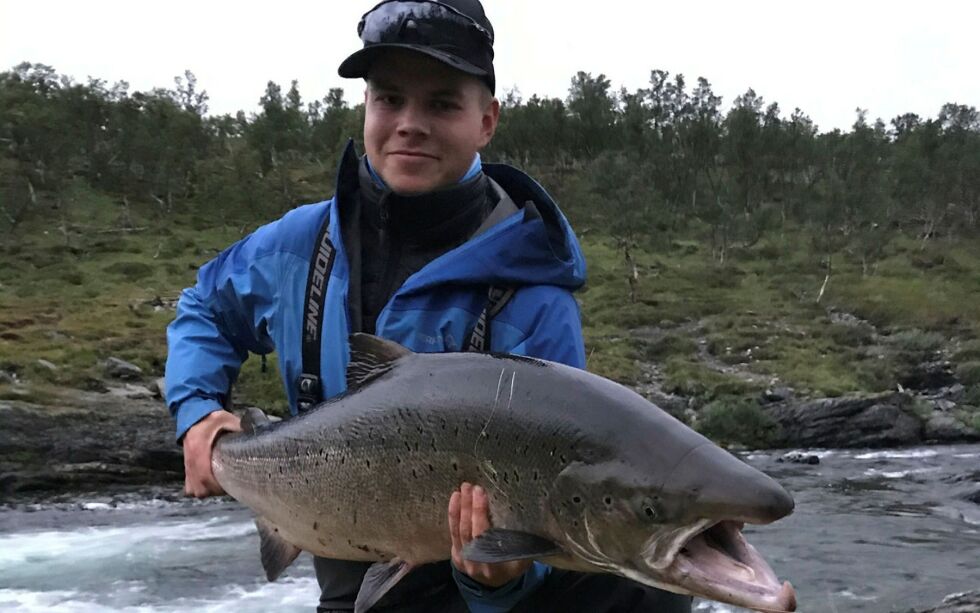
199	481
469	517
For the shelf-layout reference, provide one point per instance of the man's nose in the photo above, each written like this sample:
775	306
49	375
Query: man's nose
412	121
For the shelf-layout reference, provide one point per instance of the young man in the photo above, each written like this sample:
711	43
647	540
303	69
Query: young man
421	244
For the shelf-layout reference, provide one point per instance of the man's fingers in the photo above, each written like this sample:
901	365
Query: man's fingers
481	512
465	513
454	521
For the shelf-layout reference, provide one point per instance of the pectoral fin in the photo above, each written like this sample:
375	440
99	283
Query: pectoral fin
380	577
276	553
498	545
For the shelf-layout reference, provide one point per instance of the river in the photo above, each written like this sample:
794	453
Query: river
873	531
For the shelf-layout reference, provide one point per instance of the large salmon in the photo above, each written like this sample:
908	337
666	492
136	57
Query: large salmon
581	473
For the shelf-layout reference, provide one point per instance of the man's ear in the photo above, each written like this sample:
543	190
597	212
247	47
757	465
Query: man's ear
491	116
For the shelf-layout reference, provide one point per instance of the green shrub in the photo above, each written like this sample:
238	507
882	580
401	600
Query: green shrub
668	345
972	395
968	351
131	271
72	276
916	341
968	373
738	421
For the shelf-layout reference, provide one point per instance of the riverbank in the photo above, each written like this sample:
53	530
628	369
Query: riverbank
86	440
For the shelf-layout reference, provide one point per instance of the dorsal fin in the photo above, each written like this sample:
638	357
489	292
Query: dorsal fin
254	419
371	357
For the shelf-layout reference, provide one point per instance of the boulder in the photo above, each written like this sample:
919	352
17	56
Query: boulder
778	394
798	457
964	602
876	420
121	369
944	428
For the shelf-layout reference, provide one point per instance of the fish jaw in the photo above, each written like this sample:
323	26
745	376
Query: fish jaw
717	563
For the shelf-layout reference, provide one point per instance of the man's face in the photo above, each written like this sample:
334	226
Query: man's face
424	122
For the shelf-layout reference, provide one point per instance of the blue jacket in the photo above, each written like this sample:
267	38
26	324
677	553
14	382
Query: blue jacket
250	299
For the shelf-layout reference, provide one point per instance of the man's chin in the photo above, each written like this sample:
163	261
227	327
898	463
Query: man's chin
408	185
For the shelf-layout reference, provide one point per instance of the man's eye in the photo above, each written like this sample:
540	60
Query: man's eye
445	105
388	100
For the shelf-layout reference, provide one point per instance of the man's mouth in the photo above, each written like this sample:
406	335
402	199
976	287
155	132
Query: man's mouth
414	154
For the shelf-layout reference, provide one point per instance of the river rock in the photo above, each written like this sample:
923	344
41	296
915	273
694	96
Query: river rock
84	439
965	602
943	428
878	420
778	394
798	457
121	369
7	378
159	388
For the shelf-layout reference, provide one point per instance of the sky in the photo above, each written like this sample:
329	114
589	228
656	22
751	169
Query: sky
827	58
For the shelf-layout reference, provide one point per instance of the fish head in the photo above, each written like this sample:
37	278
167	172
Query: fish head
679	529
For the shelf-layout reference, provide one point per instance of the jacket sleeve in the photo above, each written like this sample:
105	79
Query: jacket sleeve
556	335
219	321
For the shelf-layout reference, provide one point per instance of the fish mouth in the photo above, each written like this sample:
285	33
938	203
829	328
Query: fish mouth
718	563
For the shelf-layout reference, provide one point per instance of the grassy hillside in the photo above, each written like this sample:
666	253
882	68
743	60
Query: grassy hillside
93	282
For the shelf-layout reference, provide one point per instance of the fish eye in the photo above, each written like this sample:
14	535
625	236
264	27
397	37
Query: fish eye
577	499
608	501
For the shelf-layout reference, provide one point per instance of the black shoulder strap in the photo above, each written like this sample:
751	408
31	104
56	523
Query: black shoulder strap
498	297
321	263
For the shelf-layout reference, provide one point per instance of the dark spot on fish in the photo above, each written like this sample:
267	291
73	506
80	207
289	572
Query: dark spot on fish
280	469
415	474
398	459
563	459
432	468
506	478
315	525
408	446
455	467
368	463
517	477
607	500
534	476
342	459
456	431
420	429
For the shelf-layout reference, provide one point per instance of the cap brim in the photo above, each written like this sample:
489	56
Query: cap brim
359	63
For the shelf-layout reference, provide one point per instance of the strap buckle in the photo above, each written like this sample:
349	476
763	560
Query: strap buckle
309	392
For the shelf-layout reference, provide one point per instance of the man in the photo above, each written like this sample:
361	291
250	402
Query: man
421	244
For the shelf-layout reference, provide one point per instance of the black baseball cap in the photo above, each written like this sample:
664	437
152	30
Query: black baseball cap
455	32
